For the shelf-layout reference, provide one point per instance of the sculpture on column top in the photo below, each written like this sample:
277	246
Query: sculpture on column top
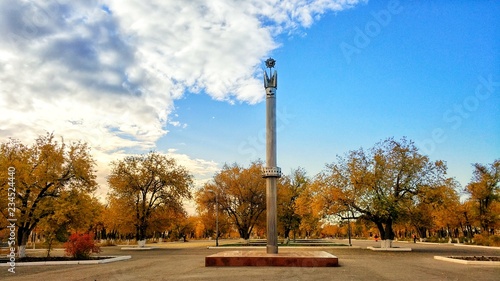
273	81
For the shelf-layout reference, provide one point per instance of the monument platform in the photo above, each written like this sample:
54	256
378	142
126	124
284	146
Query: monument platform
259	258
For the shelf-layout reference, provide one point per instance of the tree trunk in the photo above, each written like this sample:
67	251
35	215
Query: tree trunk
22	251
287	233
422	232
381	229
22	240
141	234
49	243
244	232
388	233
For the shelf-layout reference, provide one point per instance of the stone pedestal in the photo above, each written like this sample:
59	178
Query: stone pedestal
258	258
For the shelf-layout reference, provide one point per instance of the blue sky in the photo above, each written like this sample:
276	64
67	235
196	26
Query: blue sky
407	81
185	78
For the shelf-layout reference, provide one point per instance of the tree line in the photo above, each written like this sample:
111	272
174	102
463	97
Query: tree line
390	190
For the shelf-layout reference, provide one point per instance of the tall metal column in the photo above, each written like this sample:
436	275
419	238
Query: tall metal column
271	172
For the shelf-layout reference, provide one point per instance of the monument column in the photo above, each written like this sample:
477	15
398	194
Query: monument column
271	172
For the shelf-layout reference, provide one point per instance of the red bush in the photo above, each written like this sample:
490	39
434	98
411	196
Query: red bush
80	246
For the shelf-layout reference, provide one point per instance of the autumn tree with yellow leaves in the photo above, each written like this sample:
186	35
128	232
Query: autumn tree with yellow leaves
436	209
118	218
379	183
290	188
44	172
241	195
484	191
74	211
146	184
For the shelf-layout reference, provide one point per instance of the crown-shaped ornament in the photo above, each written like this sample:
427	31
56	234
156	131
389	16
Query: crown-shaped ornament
273	81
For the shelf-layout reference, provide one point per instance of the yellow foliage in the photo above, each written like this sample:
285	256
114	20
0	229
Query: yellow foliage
44	174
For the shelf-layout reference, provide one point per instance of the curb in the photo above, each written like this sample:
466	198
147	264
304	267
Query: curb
283	248
138	248
488	263
389	249
110	259
478	246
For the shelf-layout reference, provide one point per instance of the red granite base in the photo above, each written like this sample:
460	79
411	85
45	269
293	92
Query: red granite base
258	258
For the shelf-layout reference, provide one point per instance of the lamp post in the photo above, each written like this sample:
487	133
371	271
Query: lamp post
350	216
216	217
349	230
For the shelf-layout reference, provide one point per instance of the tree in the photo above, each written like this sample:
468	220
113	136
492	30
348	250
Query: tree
241	195
207	218
148	182
435	207
169	220
484	190
379	183
182	227
74	211
289	190
118	218
43	171
309	210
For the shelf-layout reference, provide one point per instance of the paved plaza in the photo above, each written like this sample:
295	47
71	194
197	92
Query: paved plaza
186	261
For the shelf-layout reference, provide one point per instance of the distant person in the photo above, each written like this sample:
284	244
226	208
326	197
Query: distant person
414	238
376	238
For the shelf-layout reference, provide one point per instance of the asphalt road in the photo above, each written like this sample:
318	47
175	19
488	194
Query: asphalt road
186	261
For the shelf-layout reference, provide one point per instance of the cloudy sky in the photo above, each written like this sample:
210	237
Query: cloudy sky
185	78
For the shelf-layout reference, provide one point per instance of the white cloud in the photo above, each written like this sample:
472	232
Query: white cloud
108	72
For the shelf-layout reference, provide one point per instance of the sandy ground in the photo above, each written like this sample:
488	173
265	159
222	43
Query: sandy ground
186	261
